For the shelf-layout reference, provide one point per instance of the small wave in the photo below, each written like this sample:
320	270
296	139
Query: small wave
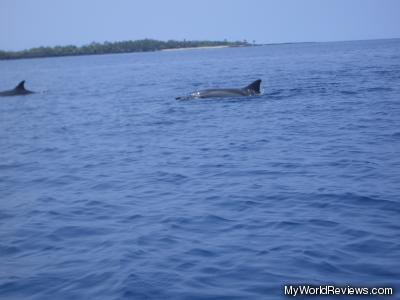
379	89
323	223
396	134
76	232
169	177
201	252
8	250
349	92
14	165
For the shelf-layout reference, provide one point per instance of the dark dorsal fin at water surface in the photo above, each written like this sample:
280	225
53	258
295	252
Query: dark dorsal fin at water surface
21	86
254	86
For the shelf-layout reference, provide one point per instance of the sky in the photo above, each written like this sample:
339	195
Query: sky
32	23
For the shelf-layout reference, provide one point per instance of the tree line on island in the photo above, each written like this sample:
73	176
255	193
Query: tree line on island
144	45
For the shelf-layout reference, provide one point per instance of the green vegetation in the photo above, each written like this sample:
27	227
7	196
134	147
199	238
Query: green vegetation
116	47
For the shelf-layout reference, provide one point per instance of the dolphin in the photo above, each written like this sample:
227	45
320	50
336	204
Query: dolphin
252	89
18	90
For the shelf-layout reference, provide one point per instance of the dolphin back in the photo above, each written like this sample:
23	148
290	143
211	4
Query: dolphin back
18	90
252	89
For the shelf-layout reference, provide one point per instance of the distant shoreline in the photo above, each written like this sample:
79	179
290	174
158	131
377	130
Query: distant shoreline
193	48
146	45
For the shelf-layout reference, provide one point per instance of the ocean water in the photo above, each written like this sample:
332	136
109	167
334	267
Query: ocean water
112	189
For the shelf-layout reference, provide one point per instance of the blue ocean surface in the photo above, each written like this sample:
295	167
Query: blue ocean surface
112	189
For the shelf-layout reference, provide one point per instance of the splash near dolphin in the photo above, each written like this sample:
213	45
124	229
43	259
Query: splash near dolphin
252	89
18	90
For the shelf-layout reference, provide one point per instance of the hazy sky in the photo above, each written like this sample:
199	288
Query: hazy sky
31	23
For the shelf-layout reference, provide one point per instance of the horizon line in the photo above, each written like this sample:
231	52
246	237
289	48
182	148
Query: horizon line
190	40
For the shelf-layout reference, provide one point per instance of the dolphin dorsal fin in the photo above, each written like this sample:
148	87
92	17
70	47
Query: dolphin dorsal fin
254	86
20	86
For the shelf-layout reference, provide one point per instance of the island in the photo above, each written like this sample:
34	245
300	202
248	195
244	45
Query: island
144	45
